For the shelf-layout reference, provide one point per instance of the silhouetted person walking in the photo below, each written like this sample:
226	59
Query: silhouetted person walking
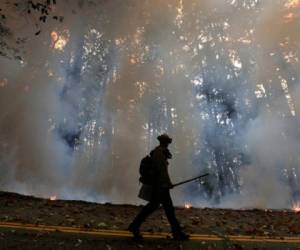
158	191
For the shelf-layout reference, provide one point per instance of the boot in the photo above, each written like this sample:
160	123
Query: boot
179	235
135	231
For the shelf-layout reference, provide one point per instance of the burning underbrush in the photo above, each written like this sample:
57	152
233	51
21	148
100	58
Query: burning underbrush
52	211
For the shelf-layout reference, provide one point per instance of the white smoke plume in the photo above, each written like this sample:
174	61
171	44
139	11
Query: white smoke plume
91	94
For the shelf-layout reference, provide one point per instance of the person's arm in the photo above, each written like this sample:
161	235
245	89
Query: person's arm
161	163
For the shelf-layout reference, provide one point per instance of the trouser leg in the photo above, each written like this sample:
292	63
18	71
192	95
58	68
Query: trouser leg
144	213
170	211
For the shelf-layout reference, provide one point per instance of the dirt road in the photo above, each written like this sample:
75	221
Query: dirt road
34	223
28	236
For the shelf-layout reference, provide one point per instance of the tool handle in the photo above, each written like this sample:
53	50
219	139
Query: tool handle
189	180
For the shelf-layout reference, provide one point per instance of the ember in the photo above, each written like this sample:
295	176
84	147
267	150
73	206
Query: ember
59	41
292	4
187	205
296	207
53	198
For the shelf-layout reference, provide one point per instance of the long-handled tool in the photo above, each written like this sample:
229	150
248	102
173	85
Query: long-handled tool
189	180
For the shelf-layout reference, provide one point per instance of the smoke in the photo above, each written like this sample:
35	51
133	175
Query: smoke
80	111
270	179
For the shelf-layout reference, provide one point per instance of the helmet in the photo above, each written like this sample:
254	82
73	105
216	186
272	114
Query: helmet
164	138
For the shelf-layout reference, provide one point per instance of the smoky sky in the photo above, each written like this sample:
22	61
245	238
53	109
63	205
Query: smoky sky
90	95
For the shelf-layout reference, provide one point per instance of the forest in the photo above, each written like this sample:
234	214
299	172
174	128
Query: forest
86	87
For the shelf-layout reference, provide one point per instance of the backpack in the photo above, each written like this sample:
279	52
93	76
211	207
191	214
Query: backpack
147	170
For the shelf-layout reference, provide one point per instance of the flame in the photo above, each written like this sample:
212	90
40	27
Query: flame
292	4
293	11
296	207
179	17
290	17
133	60
3	83
53	198
59	42
187	205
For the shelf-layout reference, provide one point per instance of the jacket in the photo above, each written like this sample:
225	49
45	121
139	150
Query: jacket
160	156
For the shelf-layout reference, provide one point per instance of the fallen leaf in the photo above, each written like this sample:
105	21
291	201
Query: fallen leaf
102	224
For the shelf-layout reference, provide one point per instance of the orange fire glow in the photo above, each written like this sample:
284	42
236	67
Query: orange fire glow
290	17
187	205
292	4
59	42
53	198
133	60
3	83
296	207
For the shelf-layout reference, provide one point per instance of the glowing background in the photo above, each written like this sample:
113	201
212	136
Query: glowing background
91	94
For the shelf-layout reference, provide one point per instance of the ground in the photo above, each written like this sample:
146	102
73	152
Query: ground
92	216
